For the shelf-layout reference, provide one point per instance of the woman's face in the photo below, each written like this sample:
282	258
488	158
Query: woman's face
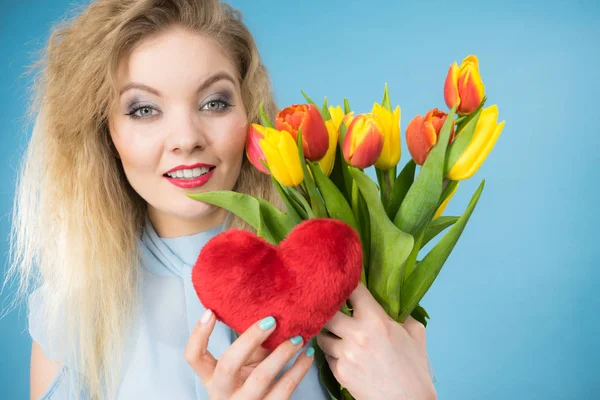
180	112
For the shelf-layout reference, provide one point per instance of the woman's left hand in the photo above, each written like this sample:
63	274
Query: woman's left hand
375	357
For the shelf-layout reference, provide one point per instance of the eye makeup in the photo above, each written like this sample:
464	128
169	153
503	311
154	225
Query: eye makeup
217	103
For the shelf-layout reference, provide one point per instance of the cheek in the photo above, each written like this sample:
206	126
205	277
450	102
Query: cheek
139	151
232	144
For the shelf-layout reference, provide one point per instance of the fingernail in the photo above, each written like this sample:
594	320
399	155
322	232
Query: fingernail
296	339
267	323
206	316
310	351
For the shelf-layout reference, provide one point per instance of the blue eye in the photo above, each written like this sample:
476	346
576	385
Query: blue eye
217	106
143	111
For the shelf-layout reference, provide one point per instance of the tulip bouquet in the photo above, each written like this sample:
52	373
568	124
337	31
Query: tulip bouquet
316	156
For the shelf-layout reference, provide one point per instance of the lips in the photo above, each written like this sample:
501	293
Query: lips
199	165
191	183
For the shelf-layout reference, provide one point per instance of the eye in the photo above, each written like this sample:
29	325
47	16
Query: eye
216	106
143	111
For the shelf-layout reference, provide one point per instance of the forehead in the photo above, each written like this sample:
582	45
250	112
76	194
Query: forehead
175	58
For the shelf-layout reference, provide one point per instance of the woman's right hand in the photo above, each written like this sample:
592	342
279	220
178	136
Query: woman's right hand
226	378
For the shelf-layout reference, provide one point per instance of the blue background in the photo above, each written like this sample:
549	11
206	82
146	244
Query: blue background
514	311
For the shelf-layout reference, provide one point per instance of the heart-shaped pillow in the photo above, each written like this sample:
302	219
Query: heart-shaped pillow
302	282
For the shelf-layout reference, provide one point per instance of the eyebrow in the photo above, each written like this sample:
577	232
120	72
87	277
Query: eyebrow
211	80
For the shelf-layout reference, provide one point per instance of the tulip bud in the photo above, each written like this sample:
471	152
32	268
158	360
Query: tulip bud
281	153
484	138
315	139
422	134
363	142
390	123
253	150
464	85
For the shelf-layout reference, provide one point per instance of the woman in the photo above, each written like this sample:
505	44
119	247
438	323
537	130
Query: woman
139	102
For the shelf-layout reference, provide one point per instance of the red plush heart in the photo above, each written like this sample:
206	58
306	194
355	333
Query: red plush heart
302	282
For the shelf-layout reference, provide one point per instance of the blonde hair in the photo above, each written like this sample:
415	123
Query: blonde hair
76	219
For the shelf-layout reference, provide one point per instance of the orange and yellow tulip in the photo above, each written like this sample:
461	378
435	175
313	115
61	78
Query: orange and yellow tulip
315	139
484	138
390	124
422	134
364	141
253	150
464	85
281	153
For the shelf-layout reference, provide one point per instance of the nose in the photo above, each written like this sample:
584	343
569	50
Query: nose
186	133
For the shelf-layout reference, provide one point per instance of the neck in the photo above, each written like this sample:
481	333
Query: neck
172	226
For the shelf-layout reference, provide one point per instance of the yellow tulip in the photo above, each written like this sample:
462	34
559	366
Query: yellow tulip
333	129
484	138
328	159
442	206
390	124
282	156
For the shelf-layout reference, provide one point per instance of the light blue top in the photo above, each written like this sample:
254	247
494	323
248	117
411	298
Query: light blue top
154	366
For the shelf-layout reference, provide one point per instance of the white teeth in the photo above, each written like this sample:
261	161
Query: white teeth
188	173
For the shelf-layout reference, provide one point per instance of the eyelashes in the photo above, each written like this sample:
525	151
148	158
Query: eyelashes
216	105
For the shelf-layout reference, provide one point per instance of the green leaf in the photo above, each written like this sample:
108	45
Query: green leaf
347	108
361	213
401	186
336	204
420	315
289	203
315	200
420	234
259	213
308	99
264	117
385	103
325	110
337	175
423	196
419	282
436	226
244	206
390	247
301	202
410	263
344	164
463	138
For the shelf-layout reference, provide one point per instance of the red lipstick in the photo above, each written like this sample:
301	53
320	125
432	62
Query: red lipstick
191	183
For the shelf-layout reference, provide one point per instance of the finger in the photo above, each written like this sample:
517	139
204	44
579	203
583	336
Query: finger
330	344
286	385
333	366
263	376
416	330
239	352
196	353
363	302
340	324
